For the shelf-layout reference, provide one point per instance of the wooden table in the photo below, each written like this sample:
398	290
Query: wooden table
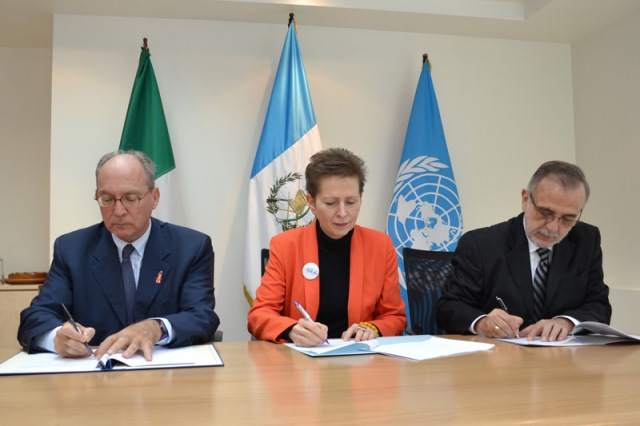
268	384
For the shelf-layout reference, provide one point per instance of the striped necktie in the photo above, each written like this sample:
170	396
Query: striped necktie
540	283
129	282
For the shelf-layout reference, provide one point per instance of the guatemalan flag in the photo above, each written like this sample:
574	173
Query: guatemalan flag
277	198
425	210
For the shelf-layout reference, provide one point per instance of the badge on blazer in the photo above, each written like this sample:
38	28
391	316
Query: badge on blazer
310	271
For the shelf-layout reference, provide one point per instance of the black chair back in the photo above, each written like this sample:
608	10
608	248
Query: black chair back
425	275
264	259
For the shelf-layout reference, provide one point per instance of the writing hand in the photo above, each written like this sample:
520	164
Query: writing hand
141	336
68	343
359	332
308	333
551	330
499	324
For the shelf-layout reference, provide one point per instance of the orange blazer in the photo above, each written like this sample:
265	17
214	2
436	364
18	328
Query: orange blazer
374	292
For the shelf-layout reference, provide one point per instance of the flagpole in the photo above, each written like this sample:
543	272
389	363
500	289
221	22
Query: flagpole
425	58
144	45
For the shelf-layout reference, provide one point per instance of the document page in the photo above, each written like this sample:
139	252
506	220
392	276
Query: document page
411	347
161	356
434	347
337	347
44	363
603	334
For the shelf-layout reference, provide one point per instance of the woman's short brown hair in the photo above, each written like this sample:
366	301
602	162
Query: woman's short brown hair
338	162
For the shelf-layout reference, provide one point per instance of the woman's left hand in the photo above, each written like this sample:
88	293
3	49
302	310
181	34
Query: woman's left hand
359	332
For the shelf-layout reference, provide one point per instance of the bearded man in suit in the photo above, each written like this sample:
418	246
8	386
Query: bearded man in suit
536	275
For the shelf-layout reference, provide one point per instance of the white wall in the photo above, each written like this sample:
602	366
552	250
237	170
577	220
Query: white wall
606	67
506	107
25	117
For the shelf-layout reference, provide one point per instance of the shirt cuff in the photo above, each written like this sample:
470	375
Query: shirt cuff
44	341
472	327
573	320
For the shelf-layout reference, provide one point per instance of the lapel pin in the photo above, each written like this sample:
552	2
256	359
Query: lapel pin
159	278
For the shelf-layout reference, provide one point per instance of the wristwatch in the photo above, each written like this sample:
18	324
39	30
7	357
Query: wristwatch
163	328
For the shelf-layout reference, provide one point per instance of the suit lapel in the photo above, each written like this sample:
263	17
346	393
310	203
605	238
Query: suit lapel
153	270
105	267
310	255
562	254
356	276
519	261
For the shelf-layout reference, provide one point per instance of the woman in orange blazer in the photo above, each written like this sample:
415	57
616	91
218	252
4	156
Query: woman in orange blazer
344	276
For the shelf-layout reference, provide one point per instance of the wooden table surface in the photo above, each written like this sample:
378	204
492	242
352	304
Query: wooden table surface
268	384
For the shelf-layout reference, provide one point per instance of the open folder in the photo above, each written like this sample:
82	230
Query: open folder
411	347
47	363
599	334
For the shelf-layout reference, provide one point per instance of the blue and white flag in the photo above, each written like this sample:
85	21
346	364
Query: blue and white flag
277	197
425	210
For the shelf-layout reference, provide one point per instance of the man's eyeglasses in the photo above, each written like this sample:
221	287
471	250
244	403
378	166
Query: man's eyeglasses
548	216
129	200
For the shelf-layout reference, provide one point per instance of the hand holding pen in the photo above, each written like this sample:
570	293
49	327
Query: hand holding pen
499	324
75	326
307	332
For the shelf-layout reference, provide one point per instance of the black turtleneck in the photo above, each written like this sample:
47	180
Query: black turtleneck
334	263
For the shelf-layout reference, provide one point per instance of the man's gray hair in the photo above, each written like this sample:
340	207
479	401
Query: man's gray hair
147	164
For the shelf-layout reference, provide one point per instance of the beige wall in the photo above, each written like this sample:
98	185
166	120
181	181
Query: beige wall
506	106
25	117
606	70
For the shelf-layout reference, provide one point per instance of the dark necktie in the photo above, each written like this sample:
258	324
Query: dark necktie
129	281
540	283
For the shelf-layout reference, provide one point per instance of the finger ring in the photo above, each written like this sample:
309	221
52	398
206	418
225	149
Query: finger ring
496	327
361	328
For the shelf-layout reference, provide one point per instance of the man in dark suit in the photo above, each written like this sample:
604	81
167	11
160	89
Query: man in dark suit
170	268
502	286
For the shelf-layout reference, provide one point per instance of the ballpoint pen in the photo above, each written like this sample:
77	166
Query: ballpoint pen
306	315
73	323
504	308
502	305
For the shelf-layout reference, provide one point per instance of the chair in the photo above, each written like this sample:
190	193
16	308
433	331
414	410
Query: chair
217	337
425	274
264	259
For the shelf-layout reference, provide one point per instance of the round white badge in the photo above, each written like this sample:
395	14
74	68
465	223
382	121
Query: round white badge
310	271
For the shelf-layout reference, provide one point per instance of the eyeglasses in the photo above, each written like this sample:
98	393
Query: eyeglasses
129	200
548	216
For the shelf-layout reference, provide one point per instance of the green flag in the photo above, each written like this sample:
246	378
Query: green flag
145	128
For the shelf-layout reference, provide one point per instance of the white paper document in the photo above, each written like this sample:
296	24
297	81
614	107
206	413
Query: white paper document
43	363
600	334
410	347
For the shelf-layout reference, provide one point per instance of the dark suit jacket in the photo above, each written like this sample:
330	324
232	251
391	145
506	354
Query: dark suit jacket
85	276
495	261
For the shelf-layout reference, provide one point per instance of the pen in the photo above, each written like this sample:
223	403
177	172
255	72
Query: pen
504	308
73	323
502	305
306	315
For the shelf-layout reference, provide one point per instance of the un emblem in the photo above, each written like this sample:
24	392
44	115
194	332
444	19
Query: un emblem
425	210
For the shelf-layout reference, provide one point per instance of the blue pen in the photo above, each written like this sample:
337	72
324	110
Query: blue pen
306	315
